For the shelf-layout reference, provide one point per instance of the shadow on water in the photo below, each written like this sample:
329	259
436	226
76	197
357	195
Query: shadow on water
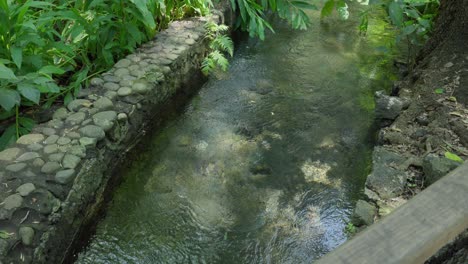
263	165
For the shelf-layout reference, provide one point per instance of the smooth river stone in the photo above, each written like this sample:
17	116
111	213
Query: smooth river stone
120	72
134	67
126	83
111	78
26	189
38	162
122	117
30	139
104	103
16	167
70	161
134	58
138	73
77	150
111	94
88	142
124	91
27	235
28	156
35	147
140	87
52	148
56	157
51	139
74	135
76	104
63	141
60	113
50	167
55	123
48	131
105	119
65	176
111	86
128	77
190	41
76	118
123	63
93	131
9	154
96	81
12	201
171	56
165	69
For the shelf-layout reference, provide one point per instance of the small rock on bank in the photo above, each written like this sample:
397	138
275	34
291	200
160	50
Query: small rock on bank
386	179
436	167
364	213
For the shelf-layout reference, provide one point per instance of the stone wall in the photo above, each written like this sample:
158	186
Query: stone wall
53	180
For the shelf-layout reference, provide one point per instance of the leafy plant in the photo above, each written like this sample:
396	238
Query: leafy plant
350	228
414	20
50	49
220	44
252	14
339	5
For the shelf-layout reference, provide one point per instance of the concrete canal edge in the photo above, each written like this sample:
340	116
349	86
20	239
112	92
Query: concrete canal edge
53	180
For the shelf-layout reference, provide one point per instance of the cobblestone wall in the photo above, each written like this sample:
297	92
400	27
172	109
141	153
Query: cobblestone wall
53	179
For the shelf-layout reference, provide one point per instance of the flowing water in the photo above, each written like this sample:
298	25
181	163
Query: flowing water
264	164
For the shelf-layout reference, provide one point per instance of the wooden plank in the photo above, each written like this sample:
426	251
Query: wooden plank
415	231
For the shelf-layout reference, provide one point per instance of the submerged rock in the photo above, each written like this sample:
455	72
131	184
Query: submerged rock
262	87
260	168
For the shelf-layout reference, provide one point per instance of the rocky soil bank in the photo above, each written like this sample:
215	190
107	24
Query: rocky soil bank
424	123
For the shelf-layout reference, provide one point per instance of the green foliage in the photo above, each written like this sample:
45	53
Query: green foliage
340	6
252	14
350	229
220	44
49	49
413	20
452	156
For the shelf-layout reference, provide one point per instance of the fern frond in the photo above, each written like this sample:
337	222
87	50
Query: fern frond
223	43
222	28
219	59
211	26
208	65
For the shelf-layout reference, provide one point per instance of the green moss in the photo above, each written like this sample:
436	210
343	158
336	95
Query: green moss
366	101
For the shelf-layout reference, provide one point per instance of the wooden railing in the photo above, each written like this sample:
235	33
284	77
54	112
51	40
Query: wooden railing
415	231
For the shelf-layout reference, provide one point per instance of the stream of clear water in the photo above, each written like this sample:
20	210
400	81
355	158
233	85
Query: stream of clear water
264	164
